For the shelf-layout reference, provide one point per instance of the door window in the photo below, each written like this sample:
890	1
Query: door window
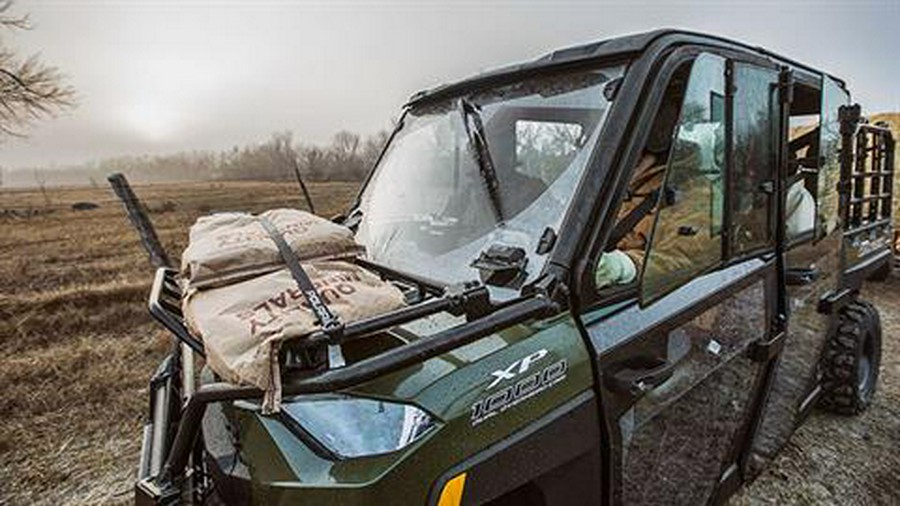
802	176
753	157
686	239
827	217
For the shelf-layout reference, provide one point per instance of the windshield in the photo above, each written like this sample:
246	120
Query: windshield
427	209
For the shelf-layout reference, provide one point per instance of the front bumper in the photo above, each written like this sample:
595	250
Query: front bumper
173	466
165	407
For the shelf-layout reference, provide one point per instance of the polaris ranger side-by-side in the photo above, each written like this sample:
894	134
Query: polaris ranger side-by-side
631	269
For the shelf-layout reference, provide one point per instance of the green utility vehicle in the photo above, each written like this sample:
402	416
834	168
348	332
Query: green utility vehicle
631	269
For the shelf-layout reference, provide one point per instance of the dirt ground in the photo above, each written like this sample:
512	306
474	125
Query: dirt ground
837	460
77	348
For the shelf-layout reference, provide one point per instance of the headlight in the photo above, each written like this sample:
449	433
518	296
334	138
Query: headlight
356	426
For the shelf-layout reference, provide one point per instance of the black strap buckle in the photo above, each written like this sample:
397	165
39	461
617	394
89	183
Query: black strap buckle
334	329
330	323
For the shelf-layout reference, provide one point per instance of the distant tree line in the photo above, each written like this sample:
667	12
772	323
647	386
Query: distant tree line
30	90
348	157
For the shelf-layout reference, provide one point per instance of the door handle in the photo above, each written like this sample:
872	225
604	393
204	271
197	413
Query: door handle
639	375
795	276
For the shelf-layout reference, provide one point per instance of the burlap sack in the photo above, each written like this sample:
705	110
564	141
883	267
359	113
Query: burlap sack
226	248
243	325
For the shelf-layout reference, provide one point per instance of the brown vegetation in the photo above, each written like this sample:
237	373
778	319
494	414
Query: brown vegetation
835	460
77	346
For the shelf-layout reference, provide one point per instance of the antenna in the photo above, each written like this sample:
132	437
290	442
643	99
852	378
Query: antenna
296	166
139	219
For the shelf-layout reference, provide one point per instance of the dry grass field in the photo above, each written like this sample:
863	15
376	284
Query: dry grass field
77	345
77	348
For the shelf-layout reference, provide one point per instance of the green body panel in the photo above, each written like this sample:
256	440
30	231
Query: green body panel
285	470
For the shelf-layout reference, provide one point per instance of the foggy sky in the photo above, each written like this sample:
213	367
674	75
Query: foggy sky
165	76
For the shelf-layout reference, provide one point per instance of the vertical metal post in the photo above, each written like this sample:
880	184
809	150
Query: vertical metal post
727	179
138	216
849	117
859	182
296	166
888	168
785	99
878	144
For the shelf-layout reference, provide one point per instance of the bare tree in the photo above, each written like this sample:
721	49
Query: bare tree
314	162
344	153
345	146
29	89
372	148
41	181
283	149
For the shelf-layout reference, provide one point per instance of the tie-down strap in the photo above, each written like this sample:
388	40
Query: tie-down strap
331	323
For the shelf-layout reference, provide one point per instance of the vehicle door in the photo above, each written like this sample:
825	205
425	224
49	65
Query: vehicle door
813	265
679	378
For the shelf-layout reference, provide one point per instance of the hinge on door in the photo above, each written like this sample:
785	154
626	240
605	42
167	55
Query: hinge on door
763	351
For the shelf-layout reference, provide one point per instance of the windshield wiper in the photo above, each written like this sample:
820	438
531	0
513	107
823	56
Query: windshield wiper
478	143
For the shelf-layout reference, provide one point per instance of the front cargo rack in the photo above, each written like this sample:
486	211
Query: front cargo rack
163	486
166	294
165	307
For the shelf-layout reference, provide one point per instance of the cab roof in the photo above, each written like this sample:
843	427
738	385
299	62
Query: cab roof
623	47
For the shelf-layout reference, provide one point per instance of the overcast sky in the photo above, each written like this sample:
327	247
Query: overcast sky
163	76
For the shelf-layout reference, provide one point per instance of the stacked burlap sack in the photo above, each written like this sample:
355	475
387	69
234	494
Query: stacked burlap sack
243	302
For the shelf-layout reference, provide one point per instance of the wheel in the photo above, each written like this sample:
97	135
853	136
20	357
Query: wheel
851	361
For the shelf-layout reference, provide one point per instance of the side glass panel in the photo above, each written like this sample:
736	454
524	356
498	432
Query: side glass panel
802	179
827	216
753	157
716	171
686	237
678	438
